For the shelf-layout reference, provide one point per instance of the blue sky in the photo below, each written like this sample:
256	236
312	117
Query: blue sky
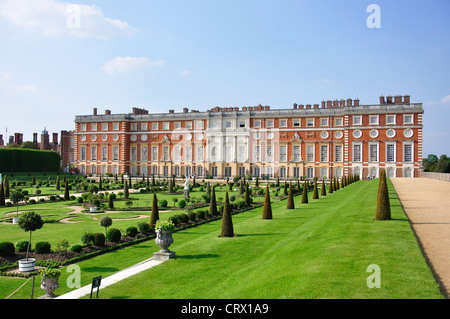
59	60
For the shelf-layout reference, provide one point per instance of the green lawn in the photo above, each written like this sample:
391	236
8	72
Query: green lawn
319	250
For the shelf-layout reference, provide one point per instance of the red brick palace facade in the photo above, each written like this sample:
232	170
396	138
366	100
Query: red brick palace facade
336	138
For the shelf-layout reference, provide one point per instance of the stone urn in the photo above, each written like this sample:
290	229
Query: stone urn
49	285
164	240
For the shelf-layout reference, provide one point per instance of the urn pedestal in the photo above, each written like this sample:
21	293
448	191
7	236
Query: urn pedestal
49	285
164	240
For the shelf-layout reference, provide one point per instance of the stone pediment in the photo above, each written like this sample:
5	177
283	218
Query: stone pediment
296	138
165	139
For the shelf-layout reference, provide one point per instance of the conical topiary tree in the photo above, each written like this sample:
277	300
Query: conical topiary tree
155	212
315	191
323	192
126	193
285	189
213	203
227	222
66	190
267	208
335	187
330	188
305	194
383	211
2	195
57	184
247	195
290	201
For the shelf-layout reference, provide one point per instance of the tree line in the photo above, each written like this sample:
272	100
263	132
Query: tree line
434	164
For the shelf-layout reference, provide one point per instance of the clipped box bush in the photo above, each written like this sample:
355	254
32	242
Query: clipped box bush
43	247
98	239
21	246
7	249
114	235
76	248
144	228
131	231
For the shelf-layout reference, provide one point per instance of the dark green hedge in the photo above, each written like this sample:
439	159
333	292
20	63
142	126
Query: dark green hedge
24	160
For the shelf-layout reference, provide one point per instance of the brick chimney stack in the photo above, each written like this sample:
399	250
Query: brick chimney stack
382	101
406	99
95	111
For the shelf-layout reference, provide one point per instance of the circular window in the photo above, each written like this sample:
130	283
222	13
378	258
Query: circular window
133	137
105	138
373	133
357	134
94	138
188	137
338	135
408	132
83	138
200	137
324	135
144	137
390	133
270	136
257	136
116	137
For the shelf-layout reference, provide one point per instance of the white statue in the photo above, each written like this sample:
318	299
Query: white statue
186	188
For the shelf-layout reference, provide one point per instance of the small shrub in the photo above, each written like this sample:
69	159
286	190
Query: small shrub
87	238
76	248
113	235
184	218
163	203
7	249
79	200
181	203
99	239
21	246
52	198
144	228
131	231
62	245
201	214
43	247
192	216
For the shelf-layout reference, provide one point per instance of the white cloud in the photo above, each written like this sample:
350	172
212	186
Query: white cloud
53	18
9	84
185	72
128	64
444	101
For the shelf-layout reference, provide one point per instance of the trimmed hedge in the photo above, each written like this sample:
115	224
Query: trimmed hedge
114	235
43	247
23	160
7	249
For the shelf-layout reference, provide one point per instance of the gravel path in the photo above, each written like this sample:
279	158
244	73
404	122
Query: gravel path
427	205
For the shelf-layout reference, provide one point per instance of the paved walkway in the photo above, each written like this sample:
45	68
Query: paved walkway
427	204
86	290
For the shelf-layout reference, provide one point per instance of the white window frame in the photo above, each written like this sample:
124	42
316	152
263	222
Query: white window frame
338	156
391	116
324	157
372	147
310	156
270	123
357	119
283	122
354	159
410	122
339	119
394	158
257	123
409	144
296	123
372	117
324	122
283	153
310	122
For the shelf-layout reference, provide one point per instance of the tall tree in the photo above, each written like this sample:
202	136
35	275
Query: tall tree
330	188
267	208
227	222
2	195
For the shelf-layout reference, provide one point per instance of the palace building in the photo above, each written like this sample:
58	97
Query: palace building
336	138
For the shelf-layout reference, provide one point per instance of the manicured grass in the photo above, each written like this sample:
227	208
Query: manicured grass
318	250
